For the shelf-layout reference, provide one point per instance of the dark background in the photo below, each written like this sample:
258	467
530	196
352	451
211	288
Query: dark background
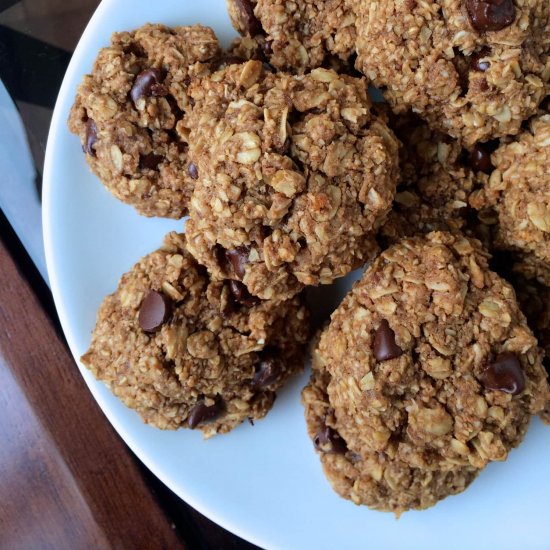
36	41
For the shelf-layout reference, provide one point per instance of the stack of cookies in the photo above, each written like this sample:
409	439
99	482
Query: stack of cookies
292	177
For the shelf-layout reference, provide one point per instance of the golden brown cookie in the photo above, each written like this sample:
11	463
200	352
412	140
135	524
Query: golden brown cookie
534	299
437	178
474	69
432	368
295	175
297	36
518	190
128	113
186	351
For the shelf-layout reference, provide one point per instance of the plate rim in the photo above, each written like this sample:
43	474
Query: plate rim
57	125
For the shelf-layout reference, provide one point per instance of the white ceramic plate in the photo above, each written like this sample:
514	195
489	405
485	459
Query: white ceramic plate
264	483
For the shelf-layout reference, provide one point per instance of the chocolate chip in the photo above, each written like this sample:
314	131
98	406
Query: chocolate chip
505	374
241	295
491	15
480	159
265	373
90	138
150	161
232	260
193	171
147	84
154	311
479	61
249	22
237	258
328	440
202	413
384	343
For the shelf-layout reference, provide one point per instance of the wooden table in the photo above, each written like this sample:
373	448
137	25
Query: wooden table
66	478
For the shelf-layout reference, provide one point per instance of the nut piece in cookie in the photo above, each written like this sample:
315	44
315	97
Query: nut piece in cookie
128	114
453	388
296	174
474	69
186	351
297	36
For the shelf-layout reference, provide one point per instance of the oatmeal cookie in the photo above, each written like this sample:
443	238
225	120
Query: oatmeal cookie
300	35
475	69
295	174
373	479
432	363
519	192
534	299
244	48
128	114
438	176
186	351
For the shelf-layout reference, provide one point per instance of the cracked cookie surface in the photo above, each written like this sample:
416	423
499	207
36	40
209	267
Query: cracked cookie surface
448	62
295	174
300	35
431	362
127	114
186	351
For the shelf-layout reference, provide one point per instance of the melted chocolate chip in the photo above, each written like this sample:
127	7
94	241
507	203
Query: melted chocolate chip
247	19
479	61
237	258
150	161
148	83
193	171
266	373
504	374
90	138
154	311
384	346
232	260
241	295
328	440
202	413
480	159
491	15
